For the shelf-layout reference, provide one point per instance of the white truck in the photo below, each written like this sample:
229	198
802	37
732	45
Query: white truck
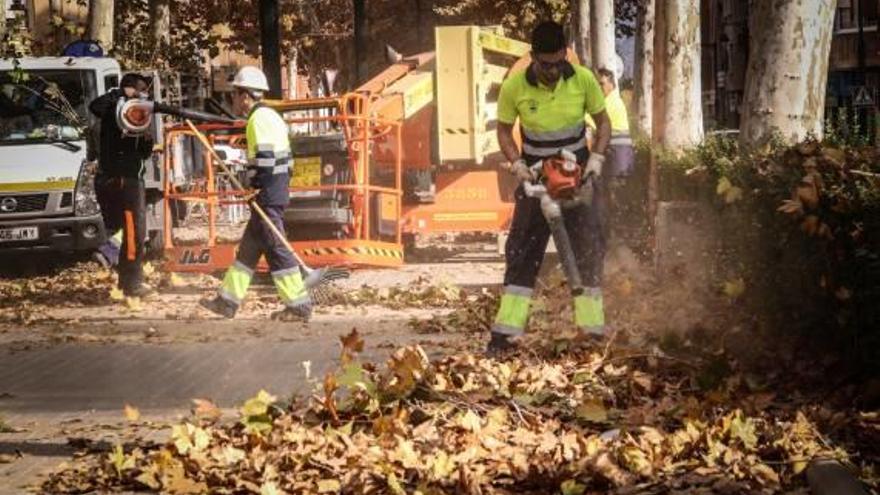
47	195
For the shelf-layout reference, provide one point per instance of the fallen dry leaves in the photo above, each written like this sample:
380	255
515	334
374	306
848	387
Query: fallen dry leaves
467	424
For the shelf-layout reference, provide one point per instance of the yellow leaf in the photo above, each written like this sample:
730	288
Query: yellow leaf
406	454
270	488
394	484
131	413
723	186
733	195
442	466
174	280
259	404
133	303
636	460
329	486
116	294
148	269
120	461
469	421
572	487
735	288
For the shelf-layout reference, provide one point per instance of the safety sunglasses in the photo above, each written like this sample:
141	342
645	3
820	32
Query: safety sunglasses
550	65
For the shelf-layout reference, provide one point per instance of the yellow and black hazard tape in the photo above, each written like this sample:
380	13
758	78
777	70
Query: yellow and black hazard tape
371	251
459	130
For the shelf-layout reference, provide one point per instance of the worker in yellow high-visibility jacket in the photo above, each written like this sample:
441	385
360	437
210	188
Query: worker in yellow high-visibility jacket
550	99
270	160
621	157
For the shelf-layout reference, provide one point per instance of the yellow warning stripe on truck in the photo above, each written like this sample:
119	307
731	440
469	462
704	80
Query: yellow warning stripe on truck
329	251
59	185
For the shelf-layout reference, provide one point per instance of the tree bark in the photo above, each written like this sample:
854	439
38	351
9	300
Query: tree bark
788	70
658	122
644	67
602	34
101	23
682	110
160	17
270	45
580	30
360	42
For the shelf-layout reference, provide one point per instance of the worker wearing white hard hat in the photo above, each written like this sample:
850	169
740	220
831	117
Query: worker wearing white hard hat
270	161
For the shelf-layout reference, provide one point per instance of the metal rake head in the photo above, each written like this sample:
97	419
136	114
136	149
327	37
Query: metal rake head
321	276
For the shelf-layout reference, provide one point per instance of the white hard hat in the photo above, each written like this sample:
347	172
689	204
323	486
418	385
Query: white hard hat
250	77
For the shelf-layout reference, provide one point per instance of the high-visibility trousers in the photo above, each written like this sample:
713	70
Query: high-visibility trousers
524	253
259	240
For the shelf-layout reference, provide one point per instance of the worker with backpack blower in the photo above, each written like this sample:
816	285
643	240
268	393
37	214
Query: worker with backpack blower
550	99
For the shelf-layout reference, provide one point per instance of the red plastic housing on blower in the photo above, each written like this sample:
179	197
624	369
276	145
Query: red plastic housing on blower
562	177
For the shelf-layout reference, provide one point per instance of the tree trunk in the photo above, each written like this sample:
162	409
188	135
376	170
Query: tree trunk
644	67
788	70
360	42
101	23
270	45
682	110
580	30
160	17
658	120
602	34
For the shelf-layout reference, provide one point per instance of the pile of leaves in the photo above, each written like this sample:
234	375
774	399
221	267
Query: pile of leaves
574	423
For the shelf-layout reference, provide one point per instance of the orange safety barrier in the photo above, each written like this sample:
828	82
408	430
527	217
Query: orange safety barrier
362	134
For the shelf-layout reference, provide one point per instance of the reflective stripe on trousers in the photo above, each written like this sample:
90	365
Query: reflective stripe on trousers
291	287
235	283
513	312
589	311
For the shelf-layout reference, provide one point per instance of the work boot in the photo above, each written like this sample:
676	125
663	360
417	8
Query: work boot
294	314
500	344
219	306
142	291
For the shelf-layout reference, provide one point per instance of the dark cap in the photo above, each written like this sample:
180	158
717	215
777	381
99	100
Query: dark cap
131	79
548	37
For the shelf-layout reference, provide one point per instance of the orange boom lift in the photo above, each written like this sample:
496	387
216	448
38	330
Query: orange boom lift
411	152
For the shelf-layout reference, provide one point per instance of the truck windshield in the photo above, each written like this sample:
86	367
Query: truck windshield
48	105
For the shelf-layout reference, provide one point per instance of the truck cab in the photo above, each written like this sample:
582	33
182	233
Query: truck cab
47	195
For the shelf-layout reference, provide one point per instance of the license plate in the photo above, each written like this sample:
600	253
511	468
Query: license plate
19	234
306	172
